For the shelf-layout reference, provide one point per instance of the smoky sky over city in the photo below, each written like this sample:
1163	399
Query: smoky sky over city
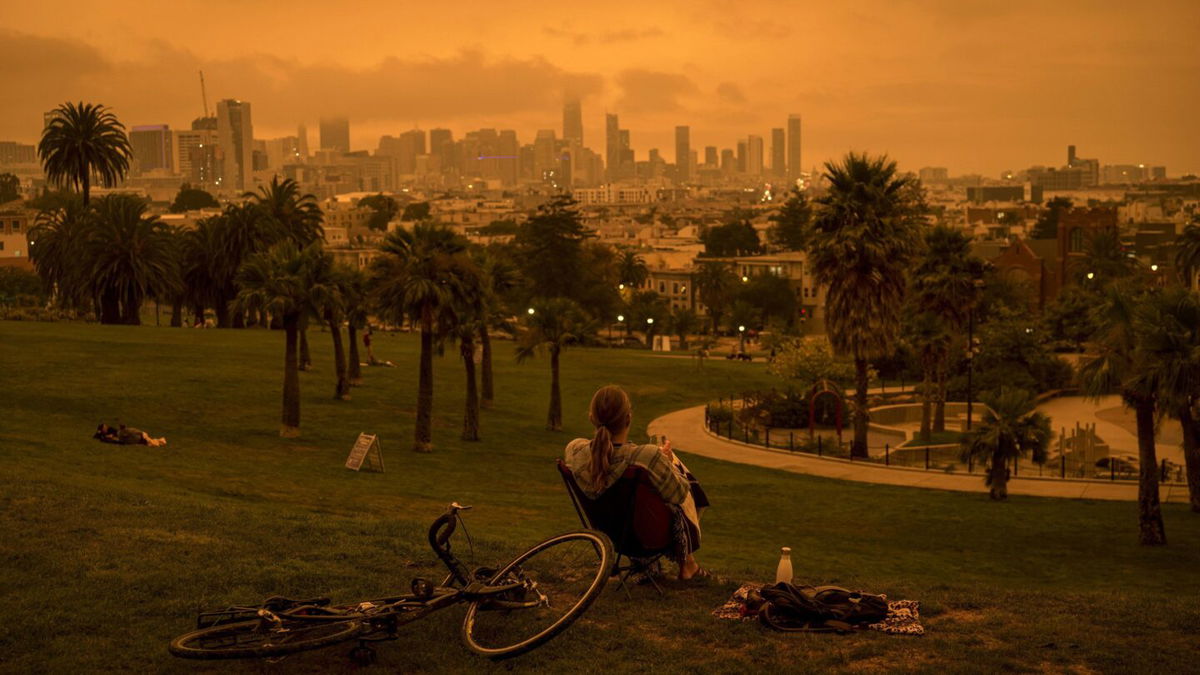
977	87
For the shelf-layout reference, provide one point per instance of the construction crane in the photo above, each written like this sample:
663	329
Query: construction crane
203	94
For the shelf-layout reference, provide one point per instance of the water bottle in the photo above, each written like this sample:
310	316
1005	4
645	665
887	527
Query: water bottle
783	573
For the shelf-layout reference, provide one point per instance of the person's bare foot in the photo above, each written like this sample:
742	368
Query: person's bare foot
689	568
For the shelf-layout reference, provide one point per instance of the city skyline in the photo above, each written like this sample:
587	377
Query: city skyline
929	83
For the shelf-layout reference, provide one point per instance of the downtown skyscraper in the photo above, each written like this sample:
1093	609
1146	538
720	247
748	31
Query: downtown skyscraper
793	147
235	135
572	126
683	154
335	134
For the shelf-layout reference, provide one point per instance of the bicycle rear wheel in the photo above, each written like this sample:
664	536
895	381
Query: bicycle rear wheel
564	574
251	639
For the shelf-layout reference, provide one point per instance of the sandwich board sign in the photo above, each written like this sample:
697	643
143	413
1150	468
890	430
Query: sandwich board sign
366	454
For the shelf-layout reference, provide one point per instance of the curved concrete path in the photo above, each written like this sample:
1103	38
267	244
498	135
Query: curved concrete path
686	430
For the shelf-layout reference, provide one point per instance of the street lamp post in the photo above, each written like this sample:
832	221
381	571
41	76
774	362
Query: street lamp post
742	339
971	351
649	328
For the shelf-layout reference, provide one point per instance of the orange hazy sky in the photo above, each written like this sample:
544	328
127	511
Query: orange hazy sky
976	86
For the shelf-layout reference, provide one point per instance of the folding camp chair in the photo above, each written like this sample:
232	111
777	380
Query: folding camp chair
633	515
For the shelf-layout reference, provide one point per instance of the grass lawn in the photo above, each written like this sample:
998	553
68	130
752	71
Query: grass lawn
108	551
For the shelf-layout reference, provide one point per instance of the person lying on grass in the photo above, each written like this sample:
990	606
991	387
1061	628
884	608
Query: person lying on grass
599	462
123	435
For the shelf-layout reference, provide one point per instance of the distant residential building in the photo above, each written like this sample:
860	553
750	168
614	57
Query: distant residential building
235	135
12	153
615	195
933	175
14	237
995	193
335	134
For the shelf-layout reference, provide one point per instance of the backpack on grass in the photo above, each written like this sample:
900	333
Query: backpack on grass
819	608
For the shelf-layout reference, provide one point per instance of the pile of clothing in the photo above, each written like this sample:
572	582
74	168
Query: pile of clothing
817	609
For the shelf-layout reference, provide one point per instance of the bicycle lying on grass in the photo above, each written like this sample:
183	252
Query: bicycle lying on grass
511	609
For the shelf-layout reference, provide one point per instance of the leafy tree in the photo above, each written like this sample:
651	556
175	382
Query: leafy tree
1121	367
82	142
648	311
742	315
928	336
505	226
555	324
1069	318
129	255
769	294
20	287
1011	429
684	322
1046	226
416	211
275	281
190	199
732	239
863	238
1105	258
208	272
598	280
421	275
326	283
716	285
809	361
789	231
383	209
1167	327
10	187
549	249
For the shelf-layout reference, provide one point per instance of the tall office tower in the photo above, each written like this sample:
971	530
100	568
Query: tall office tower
151	145
235	135
283	152
612	147
545	154
683	154
508	151
710	156
196	152
302	144
411	144
627	158
754	155
728	162
1070	155
441	149
742	159
335	134
573	121
793	147
778	153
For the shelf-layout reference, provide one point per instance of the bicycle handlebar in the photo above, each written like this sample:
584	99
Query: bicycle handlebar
439	538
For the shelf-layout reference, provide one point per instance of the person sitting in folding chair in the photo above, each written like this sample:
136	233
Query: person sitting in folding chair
600	462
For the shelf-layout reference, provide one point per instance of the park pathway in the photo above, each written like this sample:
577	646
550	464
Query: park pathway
685	429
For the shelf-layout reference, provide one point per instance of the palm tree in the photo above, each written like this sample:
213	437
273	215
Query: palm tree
208	274
83	141
1120	367
244	231
499	278
1187	252
463	323
554	324
1104	257
326	284
926	332
946	281
864	235
632	268
1011	429
354	295
275	281
56	249
129	255
1168	334
420	276
715	283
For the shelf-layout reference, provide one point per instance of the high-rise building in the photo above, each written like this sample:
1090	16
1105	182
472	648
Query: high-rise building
793	147
612	146
282	152
573	121
683	154
754	155
235	135
441	150
742	159
778	153
302	142
151	146
412	145
729	163
12	152
545	154
508	153
335	134
196	153
710	155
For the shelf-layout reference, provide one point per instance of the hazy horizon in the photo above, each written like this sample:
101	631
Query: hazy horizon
934	83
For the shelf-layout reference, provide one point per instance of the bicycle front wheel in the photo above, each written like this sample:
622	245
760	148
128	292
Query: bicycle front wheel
560	577
251	639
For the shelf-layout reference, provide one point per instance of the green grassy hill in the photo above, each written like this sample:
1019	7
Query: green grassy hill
110	550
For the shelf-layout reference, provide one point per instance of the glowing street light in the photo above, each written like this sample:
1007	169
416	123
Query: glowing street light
650	321
1091	275
1154	268
621	318
530	311
621	287
745	279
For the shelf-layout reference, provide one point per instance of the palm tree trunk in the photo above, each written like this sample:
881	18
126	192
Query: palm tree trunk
1150	522
423	432
110	307
997	479
858	448
926	406
132	308
224	320
305	355
86	185
177	313
488	393
290	427
554	418
939	411
354	371
1191	454
342	390
471	414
